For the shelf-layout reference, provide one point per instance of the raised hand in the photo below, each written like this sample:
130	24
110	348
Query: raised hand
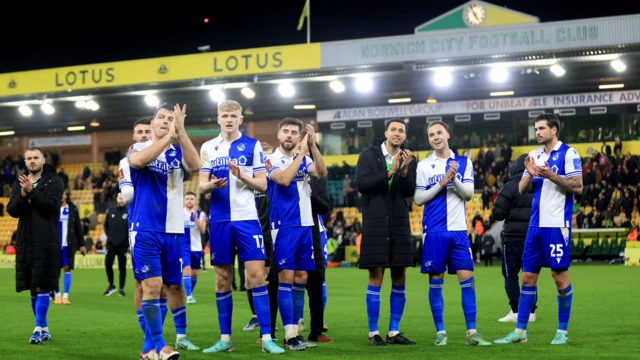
220	183
25	184
395	163
234	169
545	172
406	160
311	133
531	166
305	145
179	115
450	174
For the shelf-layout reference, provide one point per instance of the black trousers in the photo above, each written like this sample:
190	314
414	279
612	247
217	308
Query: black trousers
511	265
121	253
314	289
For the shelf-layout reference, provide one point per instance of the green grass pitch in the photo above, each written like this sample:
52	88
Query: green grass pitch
605	314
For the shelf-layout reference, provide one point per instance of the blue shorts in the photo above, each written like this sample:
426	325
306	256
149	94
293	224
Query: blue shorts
546	247
446	249
225	237
191	258
64	257
157	255
293	248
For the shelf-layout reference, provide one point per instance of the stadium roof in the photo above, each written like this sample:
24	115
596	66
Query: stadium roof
399	67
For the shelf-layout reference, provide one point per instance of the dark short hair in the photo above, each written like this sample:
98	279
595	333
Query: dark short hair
290	121
142	121
35	148
406	126
552	121
190	193
438	122
165	106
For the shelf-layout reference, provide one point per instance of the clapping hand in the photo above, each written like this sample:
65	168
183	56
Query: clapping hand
450	174
407	156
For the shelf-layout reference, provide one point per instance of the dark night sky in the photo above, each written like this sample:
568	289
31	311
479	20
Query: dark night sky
35	36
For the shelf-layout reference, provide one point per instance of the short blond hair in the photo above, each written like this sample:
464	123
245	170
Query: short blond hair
229	105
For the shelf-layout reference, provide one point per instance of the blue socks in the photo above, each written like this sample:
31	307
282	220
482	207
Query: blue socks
297	295
143	324
180	320
163	309
285	304
436	302
153	317
373	307
194	280
67	281
469	302
42	307
565	298
225	308
397	301
527	299
324	295
263	310
186	281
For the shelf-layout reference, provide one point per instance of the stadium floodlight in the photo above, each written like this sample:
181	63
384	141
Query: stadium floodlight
618	65
502	93
442	78
248	93
7	133
75	128
81	104
337	86
286	90
25	110
216	94
611	86
498	74
304	107
399	100
92	105
557	70
152	100
364	83
47	109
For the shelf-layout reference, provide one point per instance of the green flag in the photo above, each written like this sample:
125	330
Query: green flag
303	15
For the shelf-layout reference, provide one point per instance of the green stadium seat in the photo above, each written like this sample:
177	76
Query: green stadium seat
613	248
594	249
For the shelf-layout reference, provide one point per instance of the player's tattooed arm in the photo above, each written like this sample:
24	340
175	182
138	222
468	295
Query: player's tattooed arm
572	184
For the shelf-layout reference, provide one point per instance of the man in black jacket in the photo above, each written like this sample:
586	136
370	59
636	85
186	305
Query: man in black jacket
515	210
71	239
320	205
386	176
117	231
35	200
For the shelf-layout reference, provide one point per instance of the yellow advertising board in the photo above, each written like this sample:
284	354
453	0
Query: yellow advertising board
163	69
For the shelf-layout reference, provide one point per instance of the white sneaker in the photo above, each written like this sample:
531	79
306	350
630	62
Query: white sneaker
511	317
532	317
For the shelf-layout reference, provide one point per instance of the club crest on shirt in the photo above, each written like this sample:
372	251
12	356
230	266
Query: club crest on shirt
124	216
555	157
241	147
